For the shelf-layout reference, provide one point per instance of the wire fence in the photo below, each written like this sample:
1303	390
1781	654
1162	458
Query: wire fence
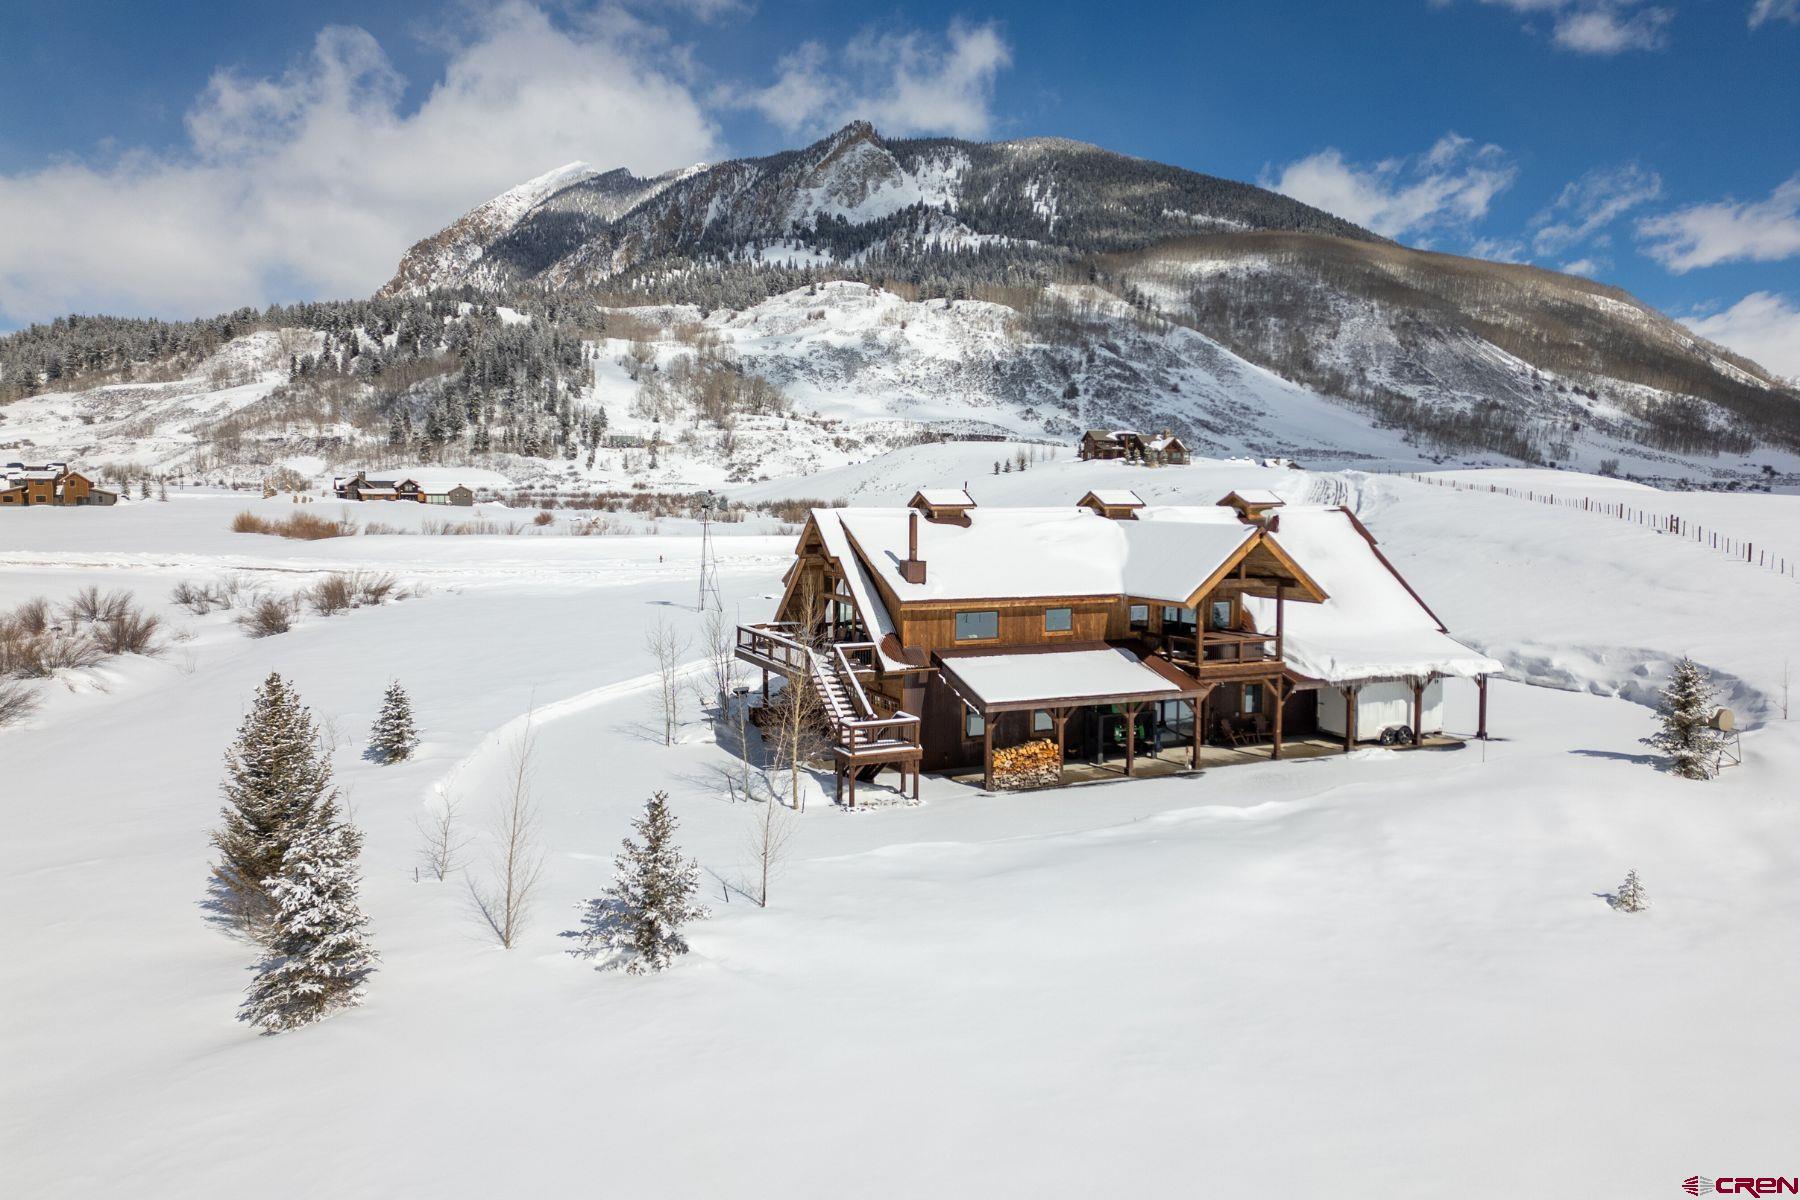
1738	549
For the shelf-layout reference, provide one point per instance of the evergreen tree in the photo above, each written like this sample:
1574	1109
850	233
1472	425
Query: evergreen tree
318	950
393	738
652	895
276	776
1631	896
1685	709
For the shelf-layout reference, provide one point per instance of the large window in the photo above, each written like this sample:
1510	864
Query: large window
1253	698
1178	616
1041	722
1140	616
1058	620
977	626
1221	614
974	725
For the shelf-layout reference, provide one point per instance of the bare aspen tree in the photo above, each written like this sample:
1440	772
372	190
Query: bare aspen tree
719	640
518	862
440	831
798	725
667	646
772	827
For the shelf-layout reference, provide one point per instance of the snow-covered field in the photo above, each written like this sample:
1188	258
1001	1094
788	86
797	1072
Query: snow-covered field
1384	974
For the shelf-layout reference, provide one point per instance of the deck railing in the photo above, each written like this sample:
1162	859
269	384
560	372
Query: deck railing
775	646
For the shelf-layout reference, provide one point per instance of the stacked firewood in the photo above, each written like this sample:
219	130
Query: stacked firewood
1029	764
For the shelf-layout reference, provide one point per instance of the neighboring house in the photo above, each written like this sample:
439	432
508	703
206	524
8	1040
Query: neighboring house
942	634
1111	443
360	487
52	483
1166	450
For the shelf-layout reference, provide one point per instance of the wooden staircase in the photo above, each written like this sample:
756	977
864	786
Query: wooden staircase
861	742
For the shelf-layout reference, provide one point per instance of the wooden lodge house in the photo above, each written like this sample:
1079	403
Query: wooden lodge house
53	483
944	636
1165	449
1110	443
360	487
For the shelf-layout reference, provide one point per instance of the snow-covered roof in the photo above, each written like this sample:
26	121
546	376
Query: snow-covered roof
1116	498
1079	675
1256	497
875	616
946	497
1016	553
1372	626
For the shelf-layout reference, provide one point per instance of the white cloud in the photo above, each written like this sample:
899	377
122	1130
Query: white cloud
1506	250
1583	266
1603	27
313	182
1610	29
1585	207
1764	11
1762	326
1726	231
904	82
1451	184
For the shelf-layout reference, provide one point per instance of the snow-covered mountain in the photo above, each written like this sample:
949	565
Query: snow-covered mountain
855	196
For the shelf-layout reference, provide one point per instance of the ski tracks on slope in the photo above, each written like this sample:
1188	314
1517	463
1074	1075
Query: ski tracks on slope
510	733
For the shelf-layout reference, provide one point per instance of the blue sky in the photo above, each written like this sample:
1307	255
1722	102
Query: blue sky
177	159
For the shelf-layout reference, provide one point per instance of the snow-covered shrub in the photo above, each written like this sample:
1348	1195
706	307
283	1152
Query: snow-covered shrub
267	616
16	702
1685	710
1631	896
393	737
331	594
91	606
652	896
222	593
132	631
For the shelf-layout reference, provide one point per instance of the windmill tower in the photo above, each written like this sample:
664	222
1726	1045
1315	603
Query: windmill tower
709	557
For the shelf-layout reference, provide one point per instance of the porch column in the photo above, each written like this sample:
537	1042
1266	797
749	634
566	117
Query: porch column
1481	707
765	675
1418	720
1280	607
1349	718
1276	688
1199	702
1131	716
1061	717
987	752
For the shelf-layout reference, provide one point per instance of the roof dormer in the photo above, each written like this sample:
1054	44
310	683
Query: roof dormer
1118	504
1252	504
944	506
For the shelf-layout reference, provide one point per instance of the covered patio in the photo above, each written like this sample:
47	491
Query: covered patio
1121	697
